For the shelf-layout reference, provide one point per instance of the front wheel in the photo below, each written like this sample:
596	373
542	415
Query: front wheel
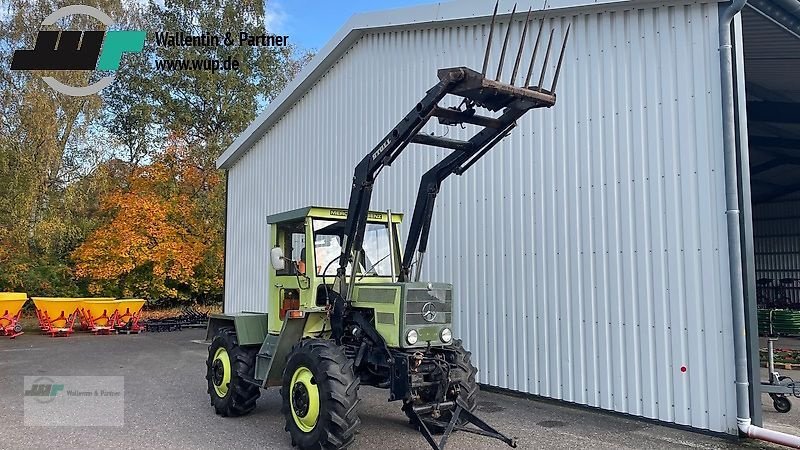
227	366
320	396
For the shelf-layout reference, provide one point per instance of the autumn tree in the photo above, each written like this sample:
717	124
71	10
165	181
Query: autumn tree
152	242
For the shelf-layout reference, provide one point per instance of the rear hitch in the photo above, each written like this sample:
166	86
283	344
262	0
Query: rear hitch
480	427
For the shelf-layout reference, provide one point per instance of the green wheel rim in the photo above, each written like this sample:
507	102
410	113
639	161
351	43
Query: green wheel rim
221	372
304	399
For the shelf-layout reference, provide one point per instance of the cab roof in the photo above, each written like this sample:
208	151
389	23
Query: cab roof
324	212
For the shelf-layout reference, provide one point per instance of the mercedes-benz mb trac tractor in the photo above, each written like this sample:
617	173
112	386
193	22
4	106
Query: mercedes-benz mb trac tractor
348	308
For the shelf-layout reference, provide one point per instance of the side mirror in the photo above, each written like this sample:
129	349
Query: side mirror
276	257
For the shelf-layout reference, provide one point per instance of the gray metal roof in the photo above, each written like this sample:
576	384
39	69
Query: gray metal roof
458	11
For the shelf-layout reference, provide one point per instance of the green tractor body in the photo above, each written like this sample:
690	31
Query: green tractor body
406	315
411	320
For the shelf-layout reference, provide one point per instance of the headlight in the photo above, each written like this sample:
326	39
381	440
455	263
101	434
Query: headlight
446	335
412	337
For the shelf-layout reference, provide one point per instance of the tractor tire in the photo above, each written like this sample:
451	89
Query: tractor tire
463	375
320	396
227	365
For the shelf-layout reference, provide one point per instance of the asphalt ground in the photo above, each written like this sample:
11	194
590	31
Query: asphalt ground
166	406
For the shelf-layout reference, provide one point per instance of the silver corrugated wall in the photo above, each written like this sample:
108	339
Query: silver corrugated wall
588	250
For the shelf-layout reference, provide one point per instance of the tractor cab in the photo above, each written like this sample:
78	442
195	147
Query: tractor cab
306	246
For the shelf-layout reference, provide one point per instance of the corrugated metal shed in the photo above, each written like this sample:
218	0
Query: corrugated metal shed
588	250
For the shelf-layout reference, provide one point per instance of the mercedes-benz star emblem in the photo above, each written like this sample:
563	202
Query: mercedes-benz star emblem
429	312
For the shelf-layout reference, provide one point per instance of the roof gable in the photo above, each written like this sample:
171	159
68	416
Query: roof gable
457	11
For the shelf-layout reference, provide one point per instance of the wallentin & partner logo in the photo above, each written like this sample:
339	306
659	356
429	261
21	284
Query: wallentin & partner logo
44	389
78	50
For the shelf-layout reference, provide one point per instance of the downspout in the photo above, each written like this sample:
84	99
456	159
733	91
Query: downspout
732	214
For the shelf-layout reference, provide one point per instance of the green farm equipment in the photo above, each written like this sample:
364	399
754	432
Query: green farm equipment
345	308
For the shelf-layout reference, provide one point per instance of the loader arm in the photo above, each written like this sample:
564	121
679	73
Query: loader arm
476	89
455	163
367	171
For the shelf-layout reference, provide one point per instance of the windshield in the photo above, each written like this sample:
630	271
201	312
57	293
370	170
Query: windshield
327	246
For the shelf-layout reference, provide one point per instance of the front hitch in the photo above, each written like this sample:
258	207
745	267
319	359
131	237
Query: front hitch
481	428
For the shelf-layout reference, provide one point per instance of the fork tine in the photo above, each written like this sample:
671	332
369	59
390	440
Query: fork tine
546	59
505	44
521	47
533	57
489	43
560	60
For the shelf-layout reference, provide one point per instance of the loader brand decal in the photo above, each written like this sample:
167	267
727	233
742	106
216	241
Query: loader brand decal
78	50
382	147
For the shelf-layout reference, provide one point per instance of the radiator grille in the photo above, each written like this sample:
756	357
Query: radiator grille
439	306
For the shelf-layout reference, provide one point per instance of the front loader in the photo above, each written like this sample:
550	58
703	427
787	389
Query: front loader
347	306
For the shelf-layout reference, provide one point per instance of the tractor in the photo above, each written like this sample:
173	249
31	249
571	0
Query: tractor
348	308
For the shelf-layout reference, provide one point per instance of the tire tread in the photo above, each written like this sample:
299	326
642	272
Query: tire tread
341	396
243	395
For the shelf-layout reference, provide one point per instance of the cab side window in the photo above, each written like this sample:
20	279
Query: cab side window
292	239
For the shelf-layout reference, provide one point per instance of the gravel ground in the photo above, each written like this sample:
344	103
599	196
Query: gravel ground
166	405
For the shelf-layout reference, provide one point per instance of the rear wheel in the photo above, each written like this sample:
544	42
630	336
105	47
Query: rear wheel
462	385
226	368
320	396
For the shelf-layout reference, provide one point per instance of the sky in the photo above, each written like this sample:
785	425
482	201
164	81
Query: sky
311	23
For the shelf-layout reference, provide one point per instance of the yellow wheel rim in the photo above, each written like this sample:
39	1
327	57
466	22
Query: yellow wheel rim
304	399
221	372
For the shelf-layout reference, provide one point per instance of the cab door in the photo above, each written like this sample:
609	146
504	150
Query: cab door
290	286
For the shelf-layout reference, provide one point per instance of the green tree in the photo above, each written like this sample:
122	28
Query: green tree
43	149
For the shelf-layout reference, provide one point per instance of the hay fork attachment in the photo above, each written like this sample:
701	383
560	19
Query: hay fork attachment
493	95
